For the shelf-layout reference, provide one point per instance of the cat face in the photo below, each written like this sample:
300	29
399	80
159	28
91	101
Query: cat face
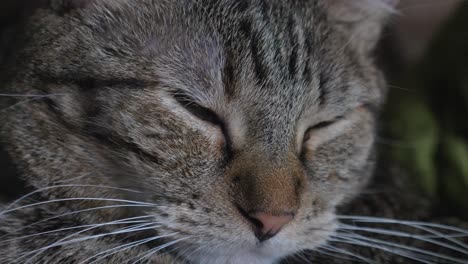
245	122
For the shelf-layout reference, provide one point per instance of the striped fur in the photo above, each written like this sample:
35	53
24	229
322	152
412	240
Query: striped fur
199	107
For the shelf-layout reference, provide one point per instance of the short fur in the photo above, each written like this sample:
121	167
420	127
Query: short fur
119	80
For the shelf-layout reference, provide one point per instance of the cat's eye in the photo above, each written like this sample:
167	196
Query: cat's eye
198	111
326	131
320	126
209	116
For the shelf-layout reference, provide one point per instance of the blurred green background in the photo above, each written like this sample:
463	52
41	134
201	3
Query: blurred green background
425	125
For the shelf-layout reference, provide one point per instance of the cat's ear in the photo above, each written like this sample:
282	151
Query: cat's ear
361	20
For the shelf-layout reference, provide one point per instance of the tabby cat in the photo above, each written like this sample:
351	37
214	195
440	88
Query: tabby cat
188	131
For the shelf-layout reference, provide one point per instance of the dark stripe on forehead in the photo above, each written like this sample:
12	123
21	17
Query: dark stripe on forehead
245	27
260	68
307	74
242	5
294	47
264	8
293	62
228	75
324	79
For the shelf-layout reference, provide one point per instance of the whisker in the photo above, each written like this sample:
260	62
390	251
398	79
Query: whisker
345	252
124	221
73	179
76	199
63	242
399	233
407	235
411	249
132	220
183	254
300	256
418	225
35	98
176	248
399	88
124	247
159	248
368	219
65	186
176	256
377	246
79	211
441	235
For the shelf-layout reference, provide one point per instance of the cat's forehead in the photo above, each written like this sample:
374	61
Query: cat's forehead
276	56
250	49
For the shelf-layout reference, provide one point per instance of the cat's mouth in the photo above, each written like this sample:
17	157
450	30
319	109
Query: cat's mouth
259	253
248	248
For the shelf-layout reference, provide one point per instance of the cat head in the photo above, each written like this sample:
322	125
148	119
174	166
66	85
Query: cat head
245	123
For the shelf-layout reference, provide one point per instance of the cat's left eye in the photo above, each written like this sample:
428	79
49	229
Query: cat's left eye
320	126
323	124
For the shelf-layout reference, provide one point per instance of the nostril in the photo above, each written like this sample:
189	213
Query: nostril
253	221
257	223
270	224
266	226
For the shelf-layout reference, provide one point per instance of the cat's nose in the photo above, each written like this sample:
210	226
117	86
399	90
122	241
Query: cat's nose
267	225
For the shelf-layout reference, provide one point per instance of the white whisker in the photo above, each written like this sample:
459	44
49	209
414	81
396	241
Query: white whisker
411	249
65	186
73	179
383	248
124	247
71	228
118	222
407	235
63	242
80	211
154	251
368	219
414	224
345	252
76	199
35	98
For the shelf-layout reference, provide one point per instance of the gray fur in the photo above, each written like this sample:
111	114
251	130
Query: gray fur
268	69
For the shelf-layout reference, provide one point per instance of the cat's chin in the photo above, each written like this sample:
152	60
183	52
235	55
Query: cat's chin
266	253
248	250
241	256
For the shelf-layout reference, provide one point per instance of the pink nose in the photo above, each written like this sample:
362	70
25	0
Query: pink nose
267	225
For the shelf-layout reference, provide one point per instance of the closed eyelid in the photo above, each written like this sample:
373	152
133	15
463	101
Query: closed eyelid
197	110
325	131
207	115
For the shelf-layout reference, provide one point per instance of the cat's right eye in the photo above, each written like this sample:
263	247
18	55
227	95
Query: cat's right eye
199	111
207	115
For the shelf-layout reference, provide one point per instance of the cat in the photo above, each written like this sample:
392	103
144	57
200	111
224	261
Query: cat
190	131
